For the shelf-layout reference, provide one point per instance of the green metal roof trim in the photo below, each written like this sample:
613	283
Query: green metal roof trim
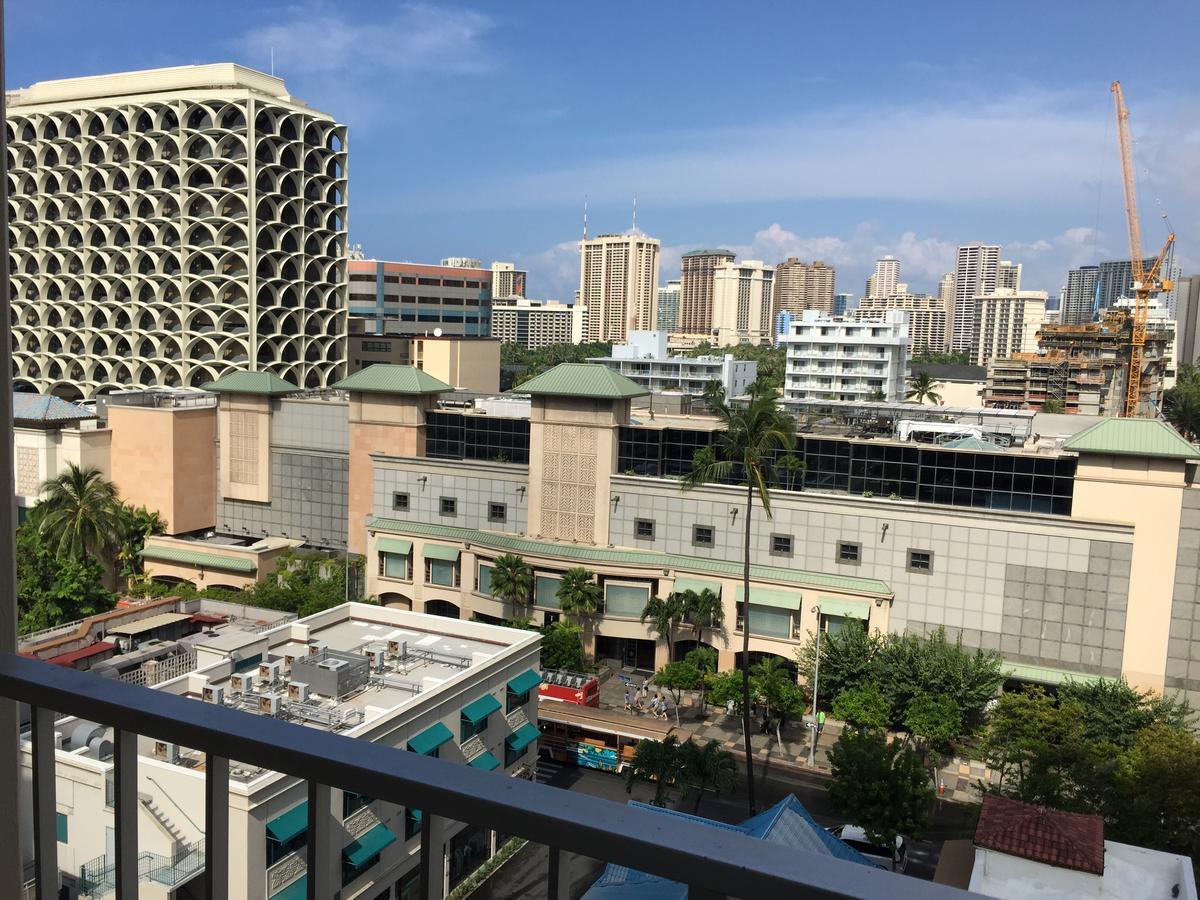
437	551
486	761
847	609
394	545
522	737
1045	674
242	382
478	710
382	378
760	596
525	682
368	844
297	890
579	554
292	823
582	380
709	252
699	585
1133	437
430	739
199	558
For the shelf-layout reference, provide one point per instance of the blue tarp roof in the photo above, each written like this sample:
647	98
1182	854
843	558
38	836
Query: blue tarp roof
46	408
786	823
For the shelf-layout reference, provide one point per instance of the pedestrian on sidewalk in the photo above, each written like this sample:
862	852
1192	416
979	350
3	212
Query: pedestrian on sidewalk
654	707
664	707
820	722
628	701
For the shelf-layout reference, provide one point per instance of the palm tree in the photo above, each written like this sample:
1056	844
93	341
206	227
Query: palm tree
579	596
921	388
1182	409
703	610
665	617
512	582
793	469
659	762
706	766
136	525
82	516
750	435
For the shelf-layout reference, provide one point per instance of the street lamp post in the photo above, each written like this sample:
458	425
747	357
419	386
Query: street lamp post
812	746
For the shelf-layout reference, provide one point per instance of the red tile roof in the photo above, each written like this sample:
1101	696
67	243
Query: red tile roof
206	619
1069	840
73	656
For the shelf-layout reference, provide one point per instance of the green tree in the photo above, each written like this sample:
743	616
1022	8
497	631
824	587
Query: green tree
876	396
1155	800
52	590
922	387
1114	712
792	470
880	786
1053	405
863	707
704	611
659	763
941	359
749	437
704	659
81	515
726	686
666	615
136	524
579	596
707	766
849	658
934	721
562	647
512	581
677	677
1181	403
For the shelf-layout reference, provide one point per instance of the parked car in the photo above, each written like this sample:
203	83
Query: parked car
856	837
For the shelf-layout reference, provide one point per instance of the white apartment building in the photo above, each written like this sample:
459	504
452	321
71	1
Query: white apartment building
538	323
173	225
644	360
618	284
885	282
1008	275
839	359
926	318
507	281
976	273
668	306
463	691
1007	322
742	299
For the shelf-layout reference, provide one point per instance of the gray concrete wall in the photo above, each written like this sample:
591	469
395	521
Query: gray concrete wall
1183	646
311	424
473	484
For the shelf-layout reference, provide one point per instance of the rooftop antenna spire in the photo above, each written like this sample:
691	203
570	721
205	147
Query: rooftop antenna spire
272	61
585	202
635	231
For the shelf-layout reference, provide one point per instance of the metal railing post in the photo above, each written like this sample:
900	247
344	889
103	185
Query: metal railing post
556	883
125	814
216	827
321	881
45	825
432	862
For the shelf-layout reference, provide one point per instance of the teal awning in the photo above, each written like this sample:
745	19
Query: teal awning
776	597
699	585
522	737
393	545
485	761
285	827
430	739
437	551
849	609
525	682
297	890
478	710
368	844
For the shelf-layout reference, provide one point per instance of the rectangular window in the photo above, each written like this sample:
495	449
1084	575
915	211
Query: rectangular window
376	346
483	584
643	529
448	506
768	621
625	601
394	565
441	571
469	730
60	827
703	536
849	553
781	545
511	755
497	512
513	702
412	823
545	591
352	802
920	561
400	502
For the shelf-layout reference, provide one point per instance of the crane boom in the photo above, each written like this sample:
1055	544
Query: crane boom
1145	281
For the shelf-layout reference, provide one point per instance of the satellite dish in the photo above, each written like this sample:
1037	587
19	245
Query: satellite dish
437	332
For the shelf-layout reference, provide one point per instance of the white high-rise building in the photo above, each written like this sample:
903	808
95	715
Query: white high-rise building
1008	275
975	274
507	281
839	359
668	306
172	225
742	297
618	283
927	318
538	323
886	280
1007	322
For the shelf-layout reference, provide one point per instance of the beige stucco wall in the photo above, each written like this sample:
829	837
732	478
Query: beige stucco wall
467	365
165	459
257	412
960	393
1147	493
40	454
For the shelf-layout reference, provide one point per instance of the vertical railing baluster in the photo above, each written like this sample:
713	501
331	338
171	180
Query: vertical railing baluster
126	813
45	805
556	883
320	836
432	863
216	827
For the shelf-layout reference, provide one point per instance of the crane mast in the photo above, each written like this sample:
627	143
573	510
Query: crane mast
1146	282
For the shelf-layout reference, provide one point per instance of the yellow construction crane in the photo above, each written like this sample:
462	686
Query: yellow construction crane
1146	282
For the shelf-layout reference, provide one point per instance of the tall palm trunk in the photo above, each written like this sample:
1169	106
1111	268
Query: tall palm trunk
746	650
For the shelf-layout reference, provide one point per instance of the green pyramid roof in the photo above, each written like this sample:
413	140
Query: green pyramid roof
1133	437
383	378
582	380
243	382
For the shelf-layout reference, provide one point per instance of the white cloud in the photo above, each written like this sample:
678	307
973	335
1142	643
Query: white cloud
554	272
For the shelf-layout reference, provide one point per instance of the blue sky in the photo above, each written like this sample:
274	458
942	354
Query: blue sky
834	131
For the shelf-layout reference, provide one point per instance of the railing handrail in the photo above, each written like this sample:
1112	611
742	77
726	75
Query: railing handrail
673	848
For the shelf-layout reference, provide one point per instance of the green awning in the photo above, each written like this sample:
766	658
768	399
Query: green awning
1045	674
430	739
848	609
437	551
699	585
293	822
780	599
522	737
478	710
367	844
393	545
525	682
297	890
485	761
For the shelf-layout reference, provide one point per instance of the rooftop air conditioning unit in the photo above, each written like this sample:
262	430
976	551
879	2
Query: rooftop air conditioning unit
268	704
398	649
269	671
167	751
289	660
375	657
316	648
241	683
297	692
214	694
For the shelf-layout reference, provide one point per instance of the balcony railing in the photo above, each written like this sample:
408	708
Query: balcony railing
714	863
